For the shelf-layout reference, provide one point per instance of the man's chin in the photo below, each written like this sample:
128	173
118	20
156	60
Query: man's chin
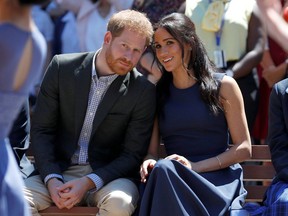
123	71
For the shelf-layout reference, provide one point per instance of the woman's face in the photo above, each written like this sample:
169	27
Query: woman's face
168	51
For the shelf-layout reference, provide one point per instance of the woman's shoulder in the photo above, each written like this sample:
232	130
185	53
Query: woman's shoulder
229	87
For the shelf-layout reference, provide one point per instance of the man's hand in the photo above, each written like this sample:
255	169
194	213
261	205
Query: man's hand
72	192
52	186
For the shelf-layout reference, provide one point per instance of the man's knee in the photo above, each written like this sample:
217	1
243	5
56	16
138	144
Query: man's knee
118	197
118	203
36	194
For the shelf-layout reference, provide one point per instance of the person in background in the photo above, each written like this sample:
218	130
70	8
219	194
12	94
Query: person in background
272	69
45	25
275	202
92	17
92	123
234	38
23	53
19	132
197	106
275	25
19	139
65	26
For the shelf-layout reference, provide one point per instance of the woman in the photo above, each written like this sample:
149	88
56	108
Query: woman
196	108
22	56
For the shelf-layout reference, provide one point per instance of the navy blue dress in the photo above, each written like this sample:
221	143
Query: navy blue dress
189	128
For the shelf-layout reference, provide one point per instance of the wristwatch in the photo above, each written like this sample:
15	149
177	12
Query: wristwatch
229	72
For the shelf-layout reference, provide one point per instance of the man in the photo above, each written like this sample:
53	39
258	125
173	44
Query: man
275	201
92	123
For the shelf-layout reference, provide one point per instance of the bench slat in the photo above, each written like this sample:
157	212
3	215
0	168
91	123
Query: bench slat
258	172
255	192
75	211
260	153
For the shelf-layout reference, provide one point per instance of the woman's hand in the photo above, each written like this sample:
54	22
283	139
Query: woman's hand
146	168
181	160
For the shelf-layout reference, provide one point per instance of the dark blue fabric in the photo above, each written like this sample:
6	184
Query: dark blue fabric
188	128
19	133
11	185
59	27
275	201
173	189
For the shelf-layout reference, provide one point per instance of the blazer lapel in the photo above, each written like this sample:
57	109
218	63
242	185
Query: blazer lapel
82	87
116	89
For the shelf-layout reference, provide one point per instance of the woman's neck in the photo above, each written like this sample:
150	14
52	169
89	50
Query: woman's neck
183	80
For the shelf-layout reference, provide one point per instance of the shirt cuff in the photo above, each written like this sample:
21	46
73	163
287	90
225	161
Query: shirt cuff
97	181
50	176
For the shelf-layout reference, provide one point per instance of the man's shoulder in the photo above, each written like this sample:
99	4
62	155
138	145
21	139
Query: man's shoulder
71	56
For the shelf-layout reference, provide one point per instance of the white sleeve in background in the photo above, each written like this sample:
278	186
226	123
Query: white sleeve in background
122	4
72	5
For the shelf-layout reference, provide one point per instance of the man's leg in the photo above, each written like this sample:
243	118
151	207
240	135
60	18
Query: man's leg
117	198
36	194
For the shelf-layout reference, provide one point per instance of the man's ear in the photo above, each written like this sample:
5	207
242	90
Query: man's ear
107	37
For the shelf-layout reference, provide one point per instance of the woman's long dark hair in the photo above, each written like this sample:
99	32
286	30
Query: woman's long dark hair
183	30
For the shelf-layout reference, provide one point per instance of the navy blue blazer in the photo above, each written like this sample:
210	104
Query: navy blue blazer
122	125
278	129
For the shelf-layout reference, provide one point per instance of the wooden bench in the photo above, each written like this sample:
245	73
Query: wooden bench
257	177
254	175
75	211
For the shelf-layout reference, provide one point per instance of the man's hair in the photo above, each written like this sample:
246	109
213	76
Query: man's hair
131	20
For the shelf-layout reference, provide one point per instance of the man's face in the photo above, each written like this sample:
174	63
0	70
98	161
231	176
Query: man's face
123	52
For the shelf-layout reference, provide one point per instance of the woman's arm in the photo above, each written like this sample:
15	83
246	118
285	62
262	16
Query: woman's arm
235	115
152	154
